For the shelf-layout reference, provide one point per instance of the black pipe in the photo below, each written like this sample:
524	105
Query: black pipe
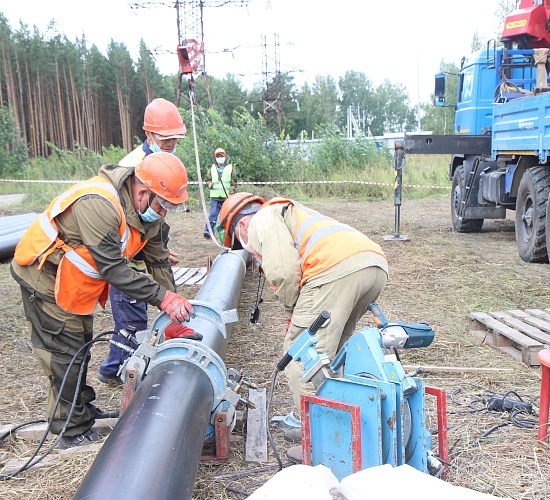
154	449
150	453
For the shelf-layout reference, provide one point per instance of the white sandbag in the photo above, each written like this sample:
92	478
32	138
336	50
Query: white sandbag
298	482
398	483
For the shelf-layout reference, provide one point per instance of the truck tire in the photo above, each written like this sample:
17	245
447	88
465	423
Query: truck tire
461	225
531	203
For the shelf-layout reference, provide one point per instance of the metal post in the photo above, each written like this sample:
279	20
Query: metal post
398	162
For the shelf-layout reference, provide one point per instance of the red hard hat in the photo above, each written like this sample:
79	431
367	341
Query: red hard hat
163	118
220	151
237	204
165	175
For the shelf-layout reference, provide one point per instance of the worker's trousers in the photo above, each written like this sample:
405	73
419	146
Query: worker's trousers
215	207
347	299
127	311
55	348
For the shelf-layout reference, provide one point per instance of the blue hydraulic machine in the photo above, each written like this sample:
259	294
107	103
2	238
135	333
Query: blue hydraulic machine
366	411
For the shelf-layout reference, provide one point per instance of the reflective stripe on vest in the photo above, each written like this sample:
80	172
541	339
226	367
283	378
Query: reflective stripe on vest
78	285
217	191
323	242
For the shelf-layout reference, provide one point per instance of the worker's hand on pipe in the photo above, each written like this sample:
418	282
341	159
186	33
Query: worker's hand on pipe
175	331
177	307
173	257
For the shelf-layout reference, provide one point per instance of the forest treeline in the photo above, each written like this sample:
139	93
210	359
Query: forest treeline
58	93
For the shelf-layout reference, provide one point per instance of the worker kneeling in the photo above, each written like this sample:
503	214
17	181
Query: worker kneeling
315	263
79	246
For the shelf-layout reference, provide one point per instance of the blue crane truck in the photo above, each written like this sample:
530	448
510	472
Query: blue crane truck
501	142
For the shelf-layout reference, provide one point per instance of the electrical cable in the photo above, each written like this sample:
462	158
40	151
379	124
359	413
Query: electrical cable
31	462
280	463
492	401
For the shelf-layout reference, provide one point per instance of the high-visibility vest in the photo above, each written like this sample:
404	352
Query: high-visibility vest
218	184
322	241
78	284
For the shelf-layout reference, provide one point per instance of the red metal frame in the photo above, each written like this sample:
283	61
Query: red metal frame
442	428
129	388
223	434
544	403
355	412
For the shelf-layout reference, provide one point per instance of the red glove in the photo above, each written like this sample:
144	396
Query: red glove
174	331
288	322
177	307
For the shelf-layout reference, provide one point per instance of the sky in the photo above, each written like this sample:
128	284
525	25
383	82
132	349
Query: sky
403	41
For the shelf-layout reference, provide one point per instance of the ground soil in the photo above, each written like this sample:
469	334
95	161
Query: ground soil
438	277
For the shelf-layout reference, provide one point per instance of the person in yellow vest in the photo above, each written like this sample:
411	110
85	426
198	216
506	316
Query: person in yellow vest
79	246
221	179
314	263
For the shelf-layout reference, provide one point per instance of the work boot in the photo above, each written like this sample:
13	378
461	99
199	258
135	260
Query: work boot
294	435
109	380
206	236
98	413
294	454
83	439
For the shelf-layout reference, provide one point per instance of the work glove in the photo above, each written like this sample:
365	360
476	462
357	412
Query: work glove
177	307
175	331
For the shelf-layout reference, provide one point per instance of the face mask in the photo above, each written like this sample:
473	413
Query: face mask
149	216
220	160
155	148
243	244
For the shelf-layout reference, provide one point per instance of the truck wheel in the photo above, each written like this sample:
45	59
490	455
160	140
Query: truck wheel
461	225
531	215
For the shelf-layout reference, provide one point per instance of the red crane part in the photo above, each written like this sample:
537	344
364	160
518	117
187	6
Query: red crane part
190	54
528	24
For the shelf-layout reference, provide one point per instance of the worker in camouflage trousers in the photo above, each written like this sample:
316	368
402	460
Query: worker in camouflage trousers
314	263
163	128
73	252
221	179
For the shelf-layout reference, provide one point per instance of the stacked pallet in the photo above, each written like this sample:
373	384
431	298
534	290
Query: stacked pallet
520	334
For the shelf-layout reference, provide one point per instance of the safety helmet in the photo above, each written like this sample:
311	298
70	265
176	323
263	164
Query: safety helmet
165	175
220	152
234	207
163	118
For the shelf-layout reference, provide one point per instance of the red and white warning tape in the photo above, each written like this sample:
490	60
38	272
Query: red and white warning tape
257	183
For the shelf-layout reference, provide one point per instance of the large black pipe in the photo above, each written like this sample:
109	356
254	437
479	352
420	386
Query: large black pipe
155	447
12	229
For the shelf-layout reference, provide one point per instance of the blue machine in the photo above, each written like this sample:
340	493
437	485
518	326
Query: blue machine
373	414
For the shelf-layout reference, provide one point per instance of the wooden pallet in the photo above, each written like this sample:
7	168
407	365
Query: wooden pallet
189	275
520	334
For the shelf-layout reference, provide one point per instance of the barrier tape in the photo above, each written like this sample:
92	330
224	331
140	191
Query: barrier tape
258	183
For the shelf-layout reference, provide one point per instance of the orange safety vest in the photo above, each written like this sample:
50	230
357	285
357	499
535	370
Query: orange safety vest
322	241
78	283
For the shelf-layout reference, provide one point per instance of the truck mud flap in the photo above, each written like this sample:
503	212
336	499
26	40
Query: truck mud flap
485	213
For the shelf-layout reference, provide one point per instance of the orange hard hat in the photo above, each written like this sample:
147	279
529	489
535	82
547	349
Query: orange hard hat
220	151
165	175
235	205
163	118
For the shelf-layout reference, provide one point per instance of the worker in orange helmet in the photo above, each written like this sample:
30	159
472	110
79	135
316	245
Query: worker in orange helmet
73	252
163	129
315	263
221	180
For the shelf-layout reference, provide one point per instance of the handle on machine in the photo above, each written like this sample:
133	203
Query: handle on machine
312	330
380	319
319	322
